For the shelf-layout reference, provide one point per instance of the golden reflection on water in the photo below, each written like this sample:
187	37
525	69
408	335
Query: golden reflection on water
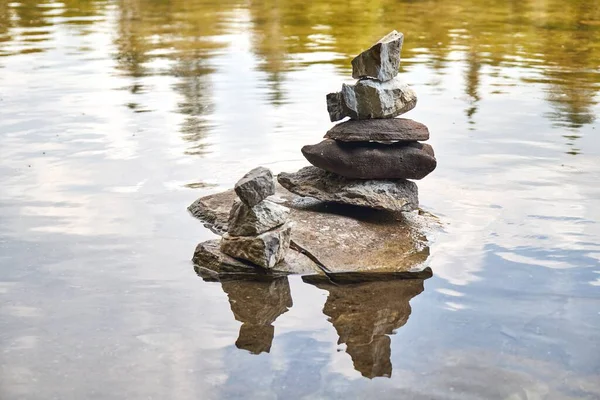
559	41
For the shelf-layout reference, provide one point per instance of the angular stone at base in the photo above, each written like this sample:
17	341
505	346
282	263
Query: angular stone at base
255	186
382	60
364	160
211	264
379	130
252	221
264	250
371	99
389	195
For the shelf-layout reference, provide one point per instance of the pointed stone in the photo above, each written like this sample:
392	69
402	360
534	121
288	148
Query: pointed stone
379	130
252	221
389	195
360	160
371	99
265	250
255	186
381	61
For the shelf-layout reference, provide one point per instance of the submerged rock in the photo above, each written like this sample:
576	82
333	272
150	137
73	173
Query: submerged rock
379	130
370	99
389	195
382	60
264	250
360	160
252	221
255	186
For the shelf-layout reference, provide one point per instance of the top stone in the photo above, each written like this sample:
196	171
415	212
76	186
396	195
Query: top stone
381	61
255	186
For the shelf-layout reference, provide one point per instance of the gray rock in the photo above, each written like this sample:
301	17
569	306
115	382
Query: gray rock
252	221
371	99
211	264
390	195
364	160
265	250
381	61
379	130
255	186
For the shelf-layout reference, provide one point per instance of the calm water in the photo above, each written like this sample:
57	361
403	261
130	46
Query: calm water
116	114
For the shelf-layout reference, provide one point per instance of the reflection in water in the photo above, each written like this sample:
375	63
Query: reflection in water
256	304
365	314
555	43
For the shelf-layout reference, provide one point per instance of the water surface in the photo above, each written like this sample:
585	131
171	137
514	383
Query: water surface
116	114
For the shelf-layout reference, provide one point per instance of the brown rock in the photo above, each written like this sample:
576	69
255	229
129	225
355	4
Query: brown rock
372	160
379	130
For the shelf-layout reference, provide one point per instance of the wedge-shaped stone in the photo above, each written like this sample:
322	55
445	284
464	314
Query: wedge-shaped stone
255	186
361	160
379	130
381	61
264	250
390	195
252	221
369	99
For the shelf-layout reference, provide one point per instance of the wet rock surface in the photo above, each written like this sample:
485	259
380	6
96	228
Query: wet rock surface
264	250
255	186
253	221
352	243
389	195
369	99
382	60
383	130
372	160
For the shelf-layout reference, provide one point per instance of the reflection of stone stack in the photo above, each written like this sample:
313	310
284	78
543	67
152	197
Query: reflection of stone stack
371	155
365	314
257	305
257	229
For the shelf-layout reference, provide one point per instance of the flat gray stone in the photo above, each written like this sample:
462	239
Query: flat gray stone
389	195
379	130
354	243
252	221
255	186
360	160
371	99
381	61
265	250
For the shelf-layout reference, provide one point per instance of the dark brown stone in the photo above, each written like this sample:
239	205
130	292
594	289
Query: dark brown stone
382	130
363	160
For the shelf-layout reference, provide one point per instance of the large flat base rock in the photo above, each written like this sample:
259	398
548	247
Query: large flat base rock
346	241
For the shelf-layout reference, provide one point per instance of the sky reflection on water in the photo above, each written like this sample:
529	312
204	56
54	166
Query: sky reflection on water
115	115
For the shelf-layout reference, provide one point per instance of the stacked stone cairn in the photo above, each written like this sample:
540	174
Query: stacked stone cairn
258	229
367	160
